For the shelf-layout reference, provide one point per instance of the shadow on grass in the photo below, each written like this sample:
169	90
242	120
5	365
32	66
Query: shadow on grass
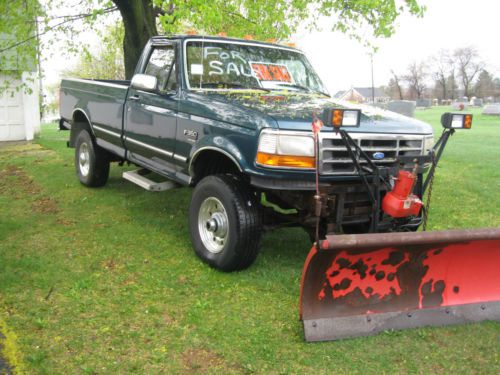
285	247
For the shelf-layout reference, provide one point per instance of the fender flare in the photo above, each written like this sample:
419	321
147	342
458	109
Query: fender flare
219	144
78	109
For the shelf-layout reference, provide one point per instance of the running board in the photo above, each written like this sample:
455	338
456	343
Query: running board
138	178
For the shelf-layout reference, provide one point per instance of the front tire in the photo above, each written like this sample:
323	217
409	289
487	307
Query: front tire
225	223
91	162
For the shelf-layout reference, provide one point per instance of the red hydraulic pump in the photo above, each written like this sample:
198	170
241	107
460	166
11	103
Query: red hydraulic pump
401	202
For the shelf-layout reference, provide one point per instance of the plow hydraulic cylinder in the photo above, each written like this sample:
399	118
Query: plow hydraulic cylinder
400	202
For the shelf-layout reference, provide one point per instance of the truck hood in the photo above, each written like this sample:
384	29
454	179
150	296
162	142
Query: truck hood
294	111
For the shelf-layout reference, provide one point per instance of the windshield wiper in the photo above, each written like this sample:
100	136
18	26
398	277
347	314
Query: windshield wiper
300	87
230	85
295	86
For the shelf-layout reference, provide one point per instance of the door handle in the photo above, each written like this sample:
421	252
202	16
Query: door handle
134	97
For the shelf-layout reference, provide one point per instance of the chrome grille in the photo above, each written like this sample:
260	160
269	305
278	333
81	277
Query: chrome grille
335	160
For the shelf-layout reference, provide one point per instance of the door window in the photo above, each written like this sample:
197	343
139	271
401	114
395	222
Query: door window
161	65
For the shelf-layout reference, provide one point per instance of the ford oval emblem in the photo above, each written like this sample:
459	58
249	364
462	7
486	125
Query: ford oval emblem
378	155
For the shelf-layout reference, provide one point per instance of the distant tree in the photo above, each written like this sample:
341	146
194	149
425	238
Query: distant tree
392	89
497	87
485	86
451	83
415	77
442	66
469	65
395	85
105	62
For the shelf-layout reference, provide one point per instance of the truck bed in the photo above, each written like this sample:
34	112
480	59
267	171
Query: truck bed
102	101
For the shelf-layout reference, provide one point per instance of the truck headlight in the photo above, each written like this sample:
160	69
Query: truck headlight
285	150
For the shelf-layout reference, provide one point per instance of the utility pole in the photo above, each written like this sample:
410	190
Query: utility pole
373	84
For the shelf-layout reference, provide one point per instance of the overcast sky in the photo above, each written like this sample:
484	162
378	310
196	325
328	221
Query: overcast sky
449	24
342	62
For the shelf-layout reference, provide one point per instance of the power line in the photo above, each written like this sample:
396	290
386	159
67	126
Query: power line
73	18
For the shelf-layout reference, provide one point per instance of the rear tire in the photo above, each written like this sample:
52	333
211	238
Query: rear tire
91	162
225	223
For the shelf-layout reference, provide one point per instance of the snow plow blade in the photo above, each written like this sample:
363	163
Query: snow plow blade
358	285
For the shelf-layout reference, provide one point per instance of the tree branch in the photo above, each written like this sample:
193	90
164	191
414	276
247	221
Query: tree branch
75	18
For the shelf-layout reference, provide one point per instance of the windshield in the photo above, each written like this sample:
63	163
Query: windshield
221	65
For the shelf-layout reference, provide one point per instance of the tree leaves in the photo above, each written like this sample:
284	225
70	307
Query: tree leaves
278	19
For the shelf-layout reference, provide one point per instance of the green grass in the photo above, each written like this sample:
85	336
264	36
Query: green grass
105	280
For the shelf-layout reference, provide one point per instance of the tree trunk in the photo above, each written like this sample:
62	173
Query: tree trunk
445	91
139	21
396	80
400	92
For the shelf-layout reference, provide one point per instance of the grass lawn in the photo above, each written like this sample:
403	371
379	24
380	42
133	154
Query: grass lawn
104	281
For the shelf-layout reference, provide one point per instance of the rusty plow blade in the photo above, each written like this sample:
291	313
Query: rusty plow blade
357	285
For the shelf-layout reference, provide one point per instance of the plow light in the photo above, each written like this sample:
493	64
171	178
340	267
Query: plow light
343	117
285	150
456	120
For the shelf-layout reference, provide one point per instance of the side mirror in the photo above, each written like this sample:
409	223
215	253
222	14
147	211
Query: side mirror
456	120
144	82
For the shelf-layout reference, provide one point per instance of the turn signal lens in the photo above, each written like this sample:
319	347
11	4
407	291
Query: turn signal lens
286	161
468	121
337	116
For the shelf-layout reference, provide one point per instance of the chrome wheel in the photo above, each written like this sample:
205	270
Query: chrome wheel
84	159
213	225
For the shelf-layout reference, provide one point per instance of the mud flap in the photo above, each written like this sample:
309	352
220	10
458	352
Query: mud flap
357	285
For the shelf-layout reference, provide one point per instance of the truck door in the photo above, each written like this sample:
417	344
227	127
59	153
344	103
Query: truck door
150	118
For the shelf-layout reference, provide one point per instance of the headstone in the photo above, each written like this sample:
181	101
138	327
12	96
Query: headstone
477	102
424	103
460	105
491	109
379	105
403	107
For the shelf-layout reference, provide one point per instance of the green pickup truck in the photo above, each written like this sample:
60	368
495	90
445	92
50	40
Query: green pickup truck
232	118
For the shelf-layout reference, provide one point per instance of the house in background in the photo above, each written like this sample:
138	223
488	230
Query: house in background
362	95
19	90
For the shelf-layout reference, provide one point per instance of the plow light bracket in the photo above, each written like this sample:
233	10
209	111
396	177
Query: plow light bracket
456	120
337	117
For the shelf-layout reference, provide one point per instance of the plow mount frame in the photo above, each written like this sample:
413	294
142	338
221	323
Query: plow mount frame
380	175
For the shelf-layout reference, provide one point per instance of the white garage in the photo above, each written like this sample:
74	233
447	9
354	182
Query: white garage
19	107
